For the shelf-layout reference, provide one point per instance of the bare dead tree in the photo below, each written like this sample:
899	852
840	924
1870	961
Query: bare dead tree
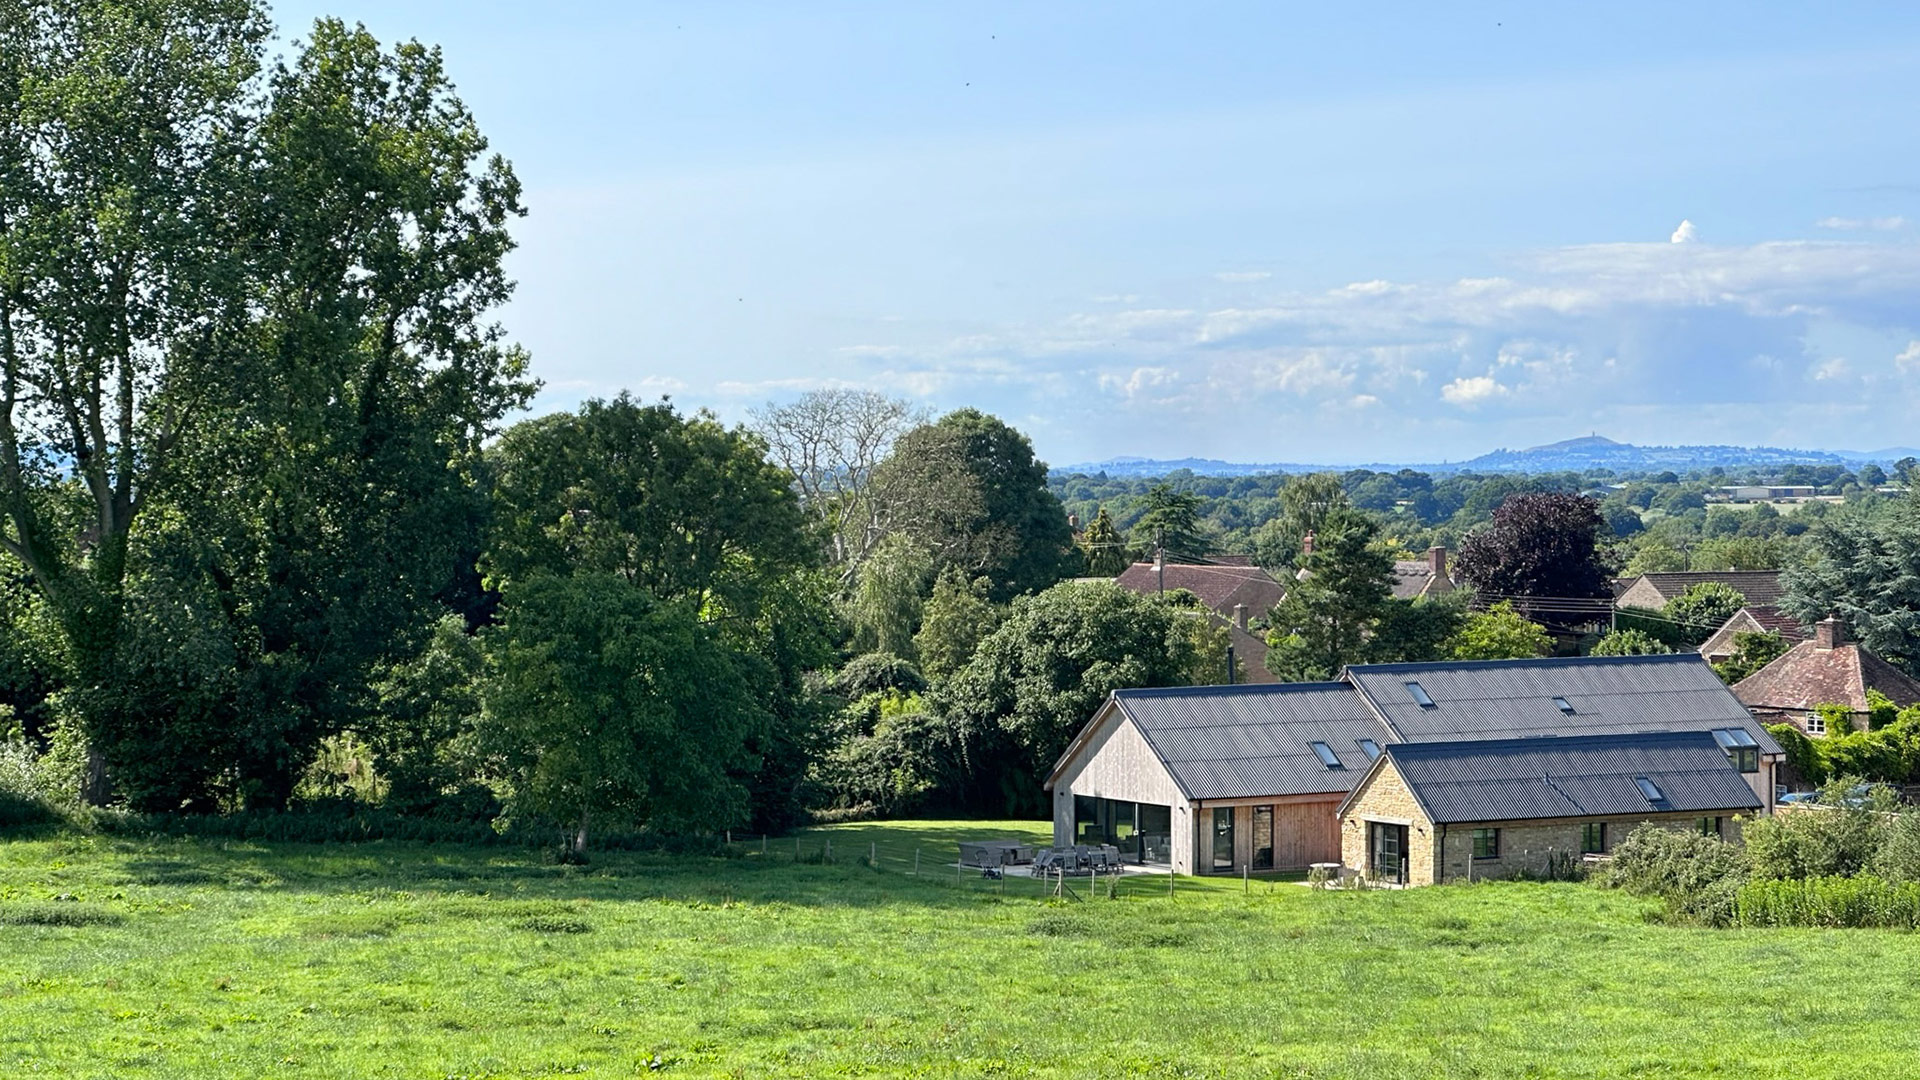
832	440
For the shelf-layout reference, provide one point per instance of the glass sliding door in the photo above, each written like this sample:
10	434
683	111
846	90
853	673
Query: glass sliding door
1387	852
1142	831
1223	838
1263	838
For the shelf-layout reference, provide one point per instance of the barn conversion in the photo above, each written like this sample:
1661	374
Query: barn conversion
1221	779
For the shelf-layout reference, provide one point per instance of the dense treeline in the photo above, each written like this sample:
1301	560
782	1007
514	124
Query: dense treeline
268	541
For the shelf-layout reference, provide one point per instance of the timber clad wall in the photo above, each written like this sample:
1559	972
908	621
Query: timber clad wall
1306	830
1384	797
1117	763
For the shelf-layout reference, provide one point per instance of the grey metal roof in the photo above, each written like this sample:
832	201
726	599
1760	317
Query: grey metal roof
1225	742
1573	776
1507	699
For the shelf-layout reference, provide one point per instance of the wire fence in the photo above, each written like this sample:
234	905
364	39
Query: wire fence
937	864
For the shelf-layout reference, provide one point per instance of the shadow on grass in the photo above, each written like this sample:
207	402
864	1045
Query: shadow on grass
864	865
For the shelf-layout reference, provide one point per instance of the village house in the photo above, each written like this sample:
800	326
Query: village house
1826	670
1652	591
1752	619
1219	779
1431	812
1416	578
1231	587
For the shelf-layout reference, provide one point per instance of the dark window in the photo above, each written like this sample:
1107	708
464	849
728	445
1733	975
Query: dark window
1561	704
1740	748
1369	748
1486	843
1709	826
1263	838
1419	695
1223	838
1327	756
1593	838
1650	789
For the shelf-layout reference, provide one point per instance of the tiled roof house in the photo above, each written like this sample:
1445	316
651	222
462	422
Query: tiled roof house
1827	670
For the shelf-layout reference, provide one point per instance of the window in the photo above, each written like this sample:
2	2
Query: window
1816	724
1650	789
1561	704
1327	756
1419	695
1593	838
1369	748
1486	843
1740	747
1709	826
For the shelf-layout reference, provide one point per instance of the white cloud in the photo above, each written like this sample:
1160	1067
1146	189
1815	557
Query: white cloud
1835	367
1685	234
1909	359
1138	381
1240	277
1878	224
1468	392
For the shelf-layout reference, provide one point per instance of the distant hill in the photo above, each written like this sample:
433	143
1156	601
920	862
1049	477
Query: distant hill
1574	455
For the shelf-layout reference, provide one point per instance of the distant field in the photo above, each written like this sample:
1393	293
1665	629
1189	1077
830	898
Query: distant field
201	959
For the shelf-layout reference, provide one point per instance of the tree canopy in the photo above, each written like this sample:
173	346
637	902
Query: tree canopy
1542	544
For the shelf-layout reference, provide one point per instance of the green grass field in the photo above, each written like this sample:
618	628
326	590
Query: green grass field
130	958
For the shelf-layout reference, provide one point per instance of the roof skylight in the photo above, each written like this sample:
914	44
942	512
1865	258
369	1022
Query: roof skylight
1563	705
1732	738
1420	695
1650	789
1369	748
1327	757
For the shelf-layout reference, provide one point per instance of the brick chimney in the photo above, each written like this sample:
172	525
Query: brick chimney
1240	616
1437	561
1829	632
1306	544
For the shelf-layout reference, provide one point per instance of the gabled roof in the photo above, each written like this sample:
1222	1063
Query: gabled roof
1752	619
1218	587
1504	699
1758	586
1415	578
1807	676
1222	742
1575	776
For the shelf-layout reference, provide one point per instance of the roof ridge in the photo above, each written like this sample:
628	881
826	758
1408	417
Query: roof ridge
1528	661
1227	689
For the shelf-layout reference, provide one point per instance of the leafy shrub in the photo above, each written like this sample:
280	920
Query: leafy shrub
1862	901
1629	643
878	672
1833	840
24	797
1899	855
1697	876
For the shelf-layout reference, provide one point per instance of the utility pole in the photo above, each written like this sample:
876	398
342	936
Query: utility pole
1160	558
1229	665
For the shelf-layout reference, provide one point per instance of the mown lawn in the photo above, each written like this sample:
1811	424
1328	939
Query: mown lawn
125	958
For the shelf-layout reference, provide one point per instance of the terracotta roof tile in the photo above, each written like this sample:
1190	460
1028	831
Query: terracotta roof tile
1807	675
1218	587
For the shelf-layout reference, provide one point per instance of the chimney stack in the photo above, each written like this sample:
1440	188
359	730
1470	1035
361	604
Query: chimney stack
1306	544
1437	561
1829	632
1240	616
1073	522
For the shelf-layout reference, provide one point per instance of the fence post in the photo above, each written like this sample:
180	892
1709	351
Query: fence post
1246	878
1169	882
829	855
763	845
916	862
873	854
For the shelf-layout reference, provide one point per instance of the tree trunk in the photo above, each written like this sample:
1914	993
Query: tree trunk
580	836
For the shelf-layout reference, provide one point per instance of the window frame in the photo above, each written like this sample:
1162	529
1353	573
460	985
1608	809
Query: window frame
1327	757
1593	838
1816	724
1565	706
1486	843
1370	748
1420	695
1650	790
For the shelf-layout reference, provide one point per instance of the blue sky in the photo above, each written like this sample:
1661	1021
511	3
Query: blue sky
1258	232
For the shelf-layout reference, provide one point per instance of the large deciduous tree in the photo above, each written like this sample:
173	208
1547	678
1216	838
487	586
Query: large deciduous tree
969	490
1539	545
609	706
1037	679
247	372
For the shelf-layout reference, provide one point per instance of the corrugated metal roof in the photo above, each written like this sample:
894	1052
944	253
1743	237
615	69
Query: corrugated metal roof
1508	699
1574	776
1224	742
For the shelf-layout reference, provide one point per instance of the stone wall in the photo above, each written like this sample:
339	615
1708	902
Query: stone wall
1384	797
1528	847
